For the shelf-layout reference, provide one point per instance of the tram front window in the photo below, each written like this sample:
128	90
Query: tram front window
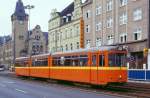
117	60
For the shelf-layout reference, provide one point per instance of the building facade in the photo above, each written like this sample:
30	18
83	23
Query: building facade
26	42
118	22
65	28
6	52
19	30
37	41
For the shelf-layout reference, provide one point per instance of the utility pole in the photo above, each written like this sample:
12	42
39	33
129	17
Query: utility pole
14	45
29	7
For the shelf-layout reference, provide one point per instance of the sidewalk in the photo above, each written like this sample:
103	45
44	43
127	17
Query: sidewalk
7	73
139	81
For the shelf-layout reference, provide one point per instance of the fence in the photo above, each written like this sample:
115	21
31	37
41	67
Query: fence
139	74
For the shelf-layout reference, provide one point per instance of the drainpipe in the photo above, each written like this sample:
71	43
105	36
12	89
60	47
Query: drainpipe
148	61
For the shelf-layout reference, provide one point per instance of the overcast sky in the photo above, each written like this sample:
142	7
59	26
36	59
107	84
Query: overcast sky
39	15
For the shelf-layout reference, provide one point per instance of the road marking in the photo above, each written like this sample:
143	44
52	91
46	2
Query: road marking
2	85
9	82
22	91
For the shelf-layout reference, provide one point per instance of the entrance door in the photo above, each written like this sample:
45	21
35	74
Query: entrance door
94	68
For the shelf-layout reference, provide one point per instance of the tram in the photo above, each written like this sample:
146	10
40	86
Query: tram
98	66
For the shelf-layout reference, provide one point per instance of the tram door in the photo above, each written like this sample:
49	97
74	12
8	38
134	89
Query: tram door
94	68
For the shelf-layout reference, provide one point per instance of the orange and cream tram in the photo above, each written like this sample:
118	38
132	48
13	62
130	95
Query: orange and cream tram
98	66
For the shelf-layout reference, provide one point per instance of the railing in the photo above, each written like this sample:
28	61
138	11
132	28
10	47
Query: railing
139	74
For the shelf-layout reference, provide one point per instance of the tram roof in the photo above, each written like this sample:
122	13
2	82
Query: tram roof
41	55
103	48
22	58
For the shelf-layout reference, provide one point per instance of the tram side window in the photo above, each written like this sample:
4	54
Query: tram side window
117	60
120	59
94	60
40	62
101	60
112	60
68	61
75	61
81	60
57	61
21	63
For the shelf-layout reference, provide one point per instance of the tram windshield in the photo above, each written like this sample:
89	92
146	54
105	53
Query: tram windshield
21	63
117	60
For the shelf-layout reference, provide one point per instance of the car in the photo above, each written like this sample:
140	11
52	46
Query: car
2	68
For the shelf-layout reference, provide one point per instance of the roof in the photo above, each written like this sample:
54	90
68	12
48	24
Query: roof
103	48
20	11
69	9
5	39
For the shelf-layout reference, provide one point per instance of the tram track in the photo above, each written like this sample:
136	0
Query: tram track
139	90
131	90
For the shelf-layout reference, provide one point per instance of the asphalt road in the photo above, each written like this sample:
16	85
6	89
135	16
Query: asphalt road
17	88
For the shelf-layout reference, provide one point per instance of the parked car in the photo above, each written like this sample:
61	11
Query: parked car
2	67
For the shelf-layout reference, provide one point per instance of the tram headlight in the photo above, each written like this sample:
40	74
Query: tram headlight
120	76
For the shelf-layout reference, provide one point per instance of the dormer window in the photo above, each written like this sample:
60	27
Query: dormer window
69	17
64	19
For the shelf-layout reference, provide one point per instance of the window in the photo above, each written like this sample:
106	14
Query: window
88	43
78	45
69	17
41	48
109	5
77	30
94	60
99	26
21	37
58	61
137	14
117	60
64	19
66	47
123	38
123	2
109	22
61	48
138	34
40	62
98	42
87	28
101	60
75	60
123	19
83	60
71	46
98	10
21	63
88	14
110	39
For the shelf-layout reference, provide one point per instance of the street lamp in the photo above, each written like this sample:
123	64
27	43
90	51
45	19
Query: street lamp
29	7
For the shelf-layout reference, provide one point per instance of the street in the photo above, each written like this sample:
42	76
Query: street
18	88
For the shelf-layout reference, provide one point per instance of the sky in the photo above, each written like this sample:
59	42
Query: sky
39	15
